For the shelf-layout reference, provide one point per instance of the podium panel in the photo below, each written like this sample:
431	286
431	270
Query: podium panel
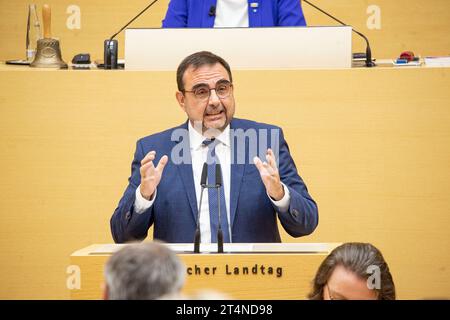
242	48
244	271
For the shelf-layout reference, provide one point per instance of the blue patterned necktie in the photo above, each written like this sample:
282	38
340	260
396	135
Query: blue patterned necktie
211	160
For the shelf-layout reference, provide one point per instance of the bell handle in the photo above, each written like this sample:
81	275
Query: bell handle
47	20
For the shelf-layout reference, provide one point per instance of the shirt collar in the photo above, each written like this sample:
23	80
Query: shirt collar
196	139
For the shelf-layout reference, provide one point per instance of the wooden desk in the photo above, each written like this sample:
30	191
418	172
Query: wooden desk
284	273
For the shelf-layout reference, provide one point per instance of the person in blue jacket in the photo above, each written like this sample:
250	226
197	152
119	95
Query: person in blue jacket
233	13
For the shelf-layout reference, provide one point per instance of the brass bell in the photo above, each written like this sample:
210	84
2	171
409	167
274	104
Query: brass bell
48	52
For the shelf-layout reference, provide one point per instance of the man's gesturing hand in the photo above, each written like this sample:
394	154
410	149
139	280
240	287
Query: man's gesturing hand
151	176
269	174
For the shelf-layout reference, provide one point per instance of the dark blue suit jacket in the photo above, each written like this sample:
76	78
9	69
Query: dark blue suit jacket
270	13
174	212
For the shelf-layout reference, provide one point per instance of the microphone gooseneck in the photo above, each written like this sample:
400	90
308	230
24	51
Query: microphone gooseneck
197	235
219	228
110	46
369	62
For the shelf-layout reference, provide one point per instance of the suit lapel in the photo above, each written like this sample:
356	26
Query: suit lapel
237	173
185	170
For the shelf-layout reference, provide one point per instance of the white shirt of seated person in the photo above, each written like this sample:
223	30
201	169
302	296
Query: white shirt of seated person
231	13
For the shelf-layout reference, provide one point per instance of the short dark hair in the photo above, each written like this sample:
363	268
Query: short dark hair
197	60
357	258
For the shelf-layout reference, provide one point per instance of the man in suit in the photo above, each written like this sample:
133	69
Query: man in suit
164	187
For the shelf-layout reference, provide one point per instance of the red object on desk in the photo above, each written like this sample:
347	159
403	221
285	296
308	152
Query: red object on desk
408	55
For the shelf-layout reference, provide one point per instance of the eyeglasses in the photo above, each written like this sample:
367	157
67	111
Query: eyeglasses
330	295
203	92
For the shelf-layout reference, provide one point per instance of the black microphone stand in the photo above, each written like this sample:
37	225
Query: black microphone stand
218	185
219	228
197	235
110	46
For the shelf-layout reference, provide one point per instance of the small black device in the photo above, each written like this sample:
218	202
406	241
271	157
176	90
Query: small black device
82	58
110	54
81	61
212	11
20	62
359	56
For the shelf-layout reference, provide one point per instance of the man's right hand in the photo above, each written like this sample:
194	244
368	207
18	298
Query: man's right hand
151	176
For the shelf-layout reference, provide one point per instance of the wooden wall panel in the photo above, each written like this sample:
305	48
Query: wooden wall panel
373	151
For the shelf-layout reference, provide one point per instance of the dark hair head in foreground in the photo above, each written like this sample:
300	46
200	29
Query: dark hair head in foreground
350	264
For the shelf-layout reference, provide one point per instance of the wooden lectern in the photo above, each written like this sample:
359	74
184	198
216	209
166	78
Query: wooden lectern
243	271
243	48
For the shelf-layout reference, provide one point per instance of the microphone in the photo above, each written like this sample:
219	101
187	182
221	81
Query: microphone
369	62
197	237
110	46
212	11
219	229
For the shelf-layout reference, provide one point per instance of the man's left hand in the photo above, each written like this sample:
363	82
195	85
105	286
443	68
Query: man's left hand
269	175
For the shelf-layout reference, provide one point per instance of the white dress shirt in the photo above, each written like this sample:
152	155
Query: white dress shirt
231	13
199	154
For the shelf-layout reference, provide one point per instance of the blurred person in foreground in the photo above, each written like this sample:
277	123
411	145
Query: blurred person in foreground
144	271
353	271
